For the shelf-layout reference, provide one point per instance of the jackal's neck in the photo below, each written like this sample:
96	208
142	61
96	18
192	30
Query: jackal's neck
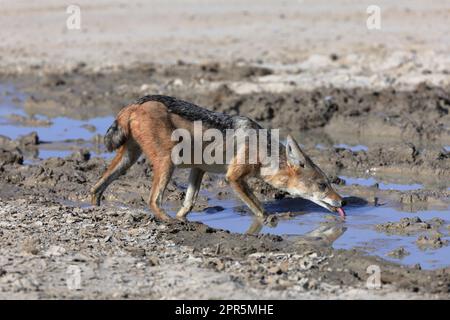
274	164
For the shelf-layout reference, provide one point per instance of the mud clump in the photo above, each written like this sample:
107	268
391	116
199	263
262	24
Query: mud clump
29	121
388	158
398	253
406	226
31	246
411	198
266	190
433	241
31	139
81	155
10	157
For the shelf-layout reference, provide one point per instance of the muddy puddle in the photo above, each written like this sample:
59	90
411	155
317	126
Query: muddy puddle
61	136
369	182
58	136
358	147
358	230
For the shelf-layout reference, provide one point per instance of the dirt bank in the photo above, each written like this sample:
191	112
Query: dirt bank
413	115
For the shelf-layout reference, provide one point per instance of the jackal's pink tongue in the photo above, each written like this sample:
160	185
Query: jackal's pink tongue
341	212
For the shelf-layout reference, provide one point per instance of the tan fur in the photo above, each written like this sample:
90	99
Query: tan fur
148	128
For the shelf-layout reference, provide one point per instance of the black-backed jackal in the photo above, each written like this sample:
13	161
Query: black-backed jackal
147	126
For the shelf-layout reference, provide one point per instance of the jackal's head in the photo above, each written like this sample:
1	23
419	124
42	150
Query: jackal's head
299	176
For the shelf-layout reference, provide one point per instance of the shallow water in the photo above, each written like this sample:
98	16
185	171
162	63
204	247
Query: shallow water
359	227
42	154
60	140
368	182
62	129
357	147
57	139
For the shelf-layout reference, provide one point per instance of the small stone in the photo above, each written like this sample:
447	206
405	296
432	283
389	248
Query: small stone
10	157
31	246
81	155
398	253
108	238
338	181
31	139
153	261
284	266
334	57
275	270
177	82
89	127
217	264
79	257
55	251
438	222
137	252
432	242
193	259
257	255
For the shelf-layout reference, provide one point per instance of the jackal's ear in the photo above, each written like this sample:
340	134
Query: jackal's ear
293	152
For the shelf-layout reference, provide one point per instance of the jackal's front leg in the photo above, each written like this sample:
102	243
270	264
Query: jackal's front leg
247	196
195	180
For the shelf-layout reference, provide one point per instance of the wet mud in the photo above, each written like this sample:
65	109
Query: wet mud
386	150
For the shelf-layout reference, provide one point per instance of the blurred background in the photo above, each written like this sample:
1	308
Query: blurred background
121	32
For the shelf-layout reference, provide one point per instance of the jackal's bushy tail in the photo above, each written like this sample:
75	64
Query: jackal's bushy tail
114	137
119	132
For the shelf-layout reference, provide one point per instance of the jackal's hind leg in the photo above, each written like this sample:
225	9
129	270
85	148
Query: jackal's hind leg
195	180
162	172
125	157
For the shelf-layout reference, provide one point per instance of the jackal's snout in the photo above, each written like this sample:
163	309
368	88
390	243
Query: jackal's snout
334	199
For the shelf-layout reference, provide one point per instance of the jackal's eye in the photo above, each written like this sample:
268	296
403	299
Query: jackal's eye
322	186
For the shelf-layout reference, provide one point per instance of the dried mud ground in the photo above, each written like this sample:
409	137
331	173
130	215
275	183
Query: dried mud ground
49	232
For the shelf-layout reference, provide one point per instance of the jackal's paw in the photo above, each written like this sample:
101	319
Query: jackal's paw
164	218
95	199
181	218
271	220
